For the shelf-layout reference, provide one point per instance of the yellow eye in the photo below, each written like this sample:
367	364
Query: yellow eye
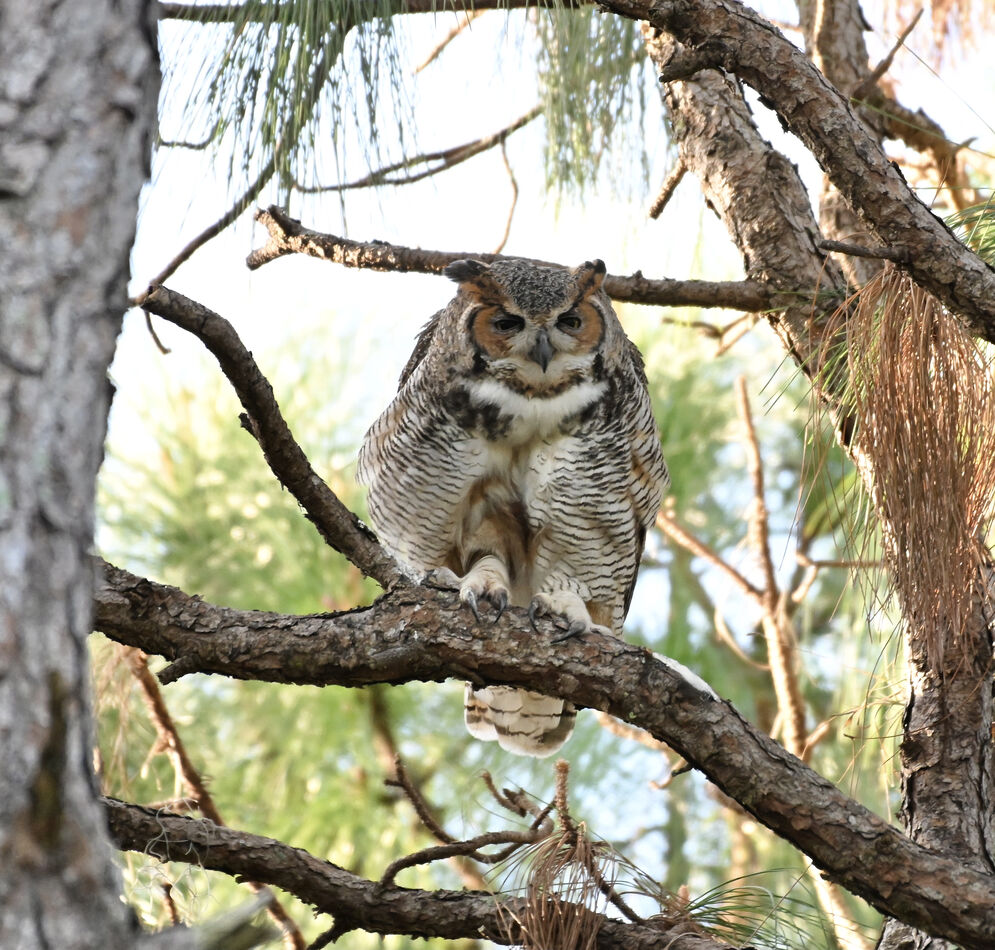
506	323
569	322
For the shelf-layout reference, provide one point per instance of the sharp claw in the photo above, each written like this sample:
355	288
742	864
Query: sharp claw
501	602
470	599
576	629
533	613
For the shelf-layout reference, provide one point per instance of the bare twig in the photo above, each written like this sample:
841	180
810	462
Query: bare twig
624	731
778	632
463	22
669	526
244	200
759	517
425	814
469	848
668	188
320	70
514	199
726	637
897	254
867	84
172	745
439	161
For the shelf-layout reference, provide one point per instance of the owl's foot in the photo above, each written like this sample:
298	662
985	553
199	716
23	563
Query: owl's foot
487	580
442	578
564	606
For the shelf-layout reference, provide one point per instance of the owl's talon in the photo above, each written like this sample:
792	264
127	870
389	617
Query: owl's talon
470	599
533	615
500	600
576	628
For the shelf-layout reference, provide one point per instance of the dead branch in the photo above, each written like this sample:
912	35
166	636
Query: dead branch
423	634
680	535
244	200
438	161
516	803
336	524
759	518
898	254
173	746
624	731
354	902
514	199
289	236
469	848
867	85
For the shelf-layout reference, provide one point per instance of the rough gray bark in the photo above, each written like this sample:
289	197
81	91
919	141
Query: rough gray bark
78	86
947	755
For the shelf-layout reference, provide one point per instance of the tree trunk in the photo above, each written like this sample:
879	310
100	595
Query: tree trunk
78	84
948	760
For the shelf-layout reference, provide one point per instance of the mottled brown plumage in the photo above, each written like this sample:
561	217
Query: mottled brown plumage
520	462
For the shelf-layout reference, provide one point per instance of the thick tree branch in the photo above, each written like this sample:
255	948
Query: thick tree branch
728	35
423	634
354	902
336	524
288	236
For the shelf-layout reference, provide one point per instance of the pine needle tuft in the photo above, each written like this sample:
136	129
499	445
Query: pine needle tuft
921	391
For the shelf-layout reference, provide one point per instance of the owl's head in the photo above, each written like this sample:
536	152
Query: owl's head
532	324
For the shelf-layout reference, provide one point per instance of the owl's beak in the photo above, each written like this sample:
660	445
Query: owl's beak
542	351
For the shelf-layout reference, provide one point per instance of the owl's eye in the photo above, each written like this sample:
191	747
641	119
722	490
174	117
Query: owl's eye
569	322
506	323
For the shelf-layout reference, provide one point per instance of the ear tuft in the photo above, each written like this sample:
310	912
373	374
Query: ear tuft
589	276
464	270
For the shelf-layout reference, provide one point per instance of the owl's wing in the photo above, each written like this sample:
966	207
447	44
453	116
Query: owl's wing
648	476
421	348
418	464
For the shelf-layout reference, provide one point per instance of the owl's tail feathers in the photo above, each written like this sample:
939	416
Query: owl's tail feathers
521	721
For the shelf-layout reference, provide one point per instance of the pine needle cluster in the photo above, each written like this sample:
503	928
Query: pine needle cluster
921	391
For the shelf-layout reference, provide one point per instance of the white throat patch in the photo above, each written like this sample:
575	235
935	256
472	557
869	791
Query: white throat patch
537	416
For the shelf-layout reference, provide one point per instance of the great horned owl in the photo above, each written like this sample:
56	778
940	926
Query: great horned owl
520	461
